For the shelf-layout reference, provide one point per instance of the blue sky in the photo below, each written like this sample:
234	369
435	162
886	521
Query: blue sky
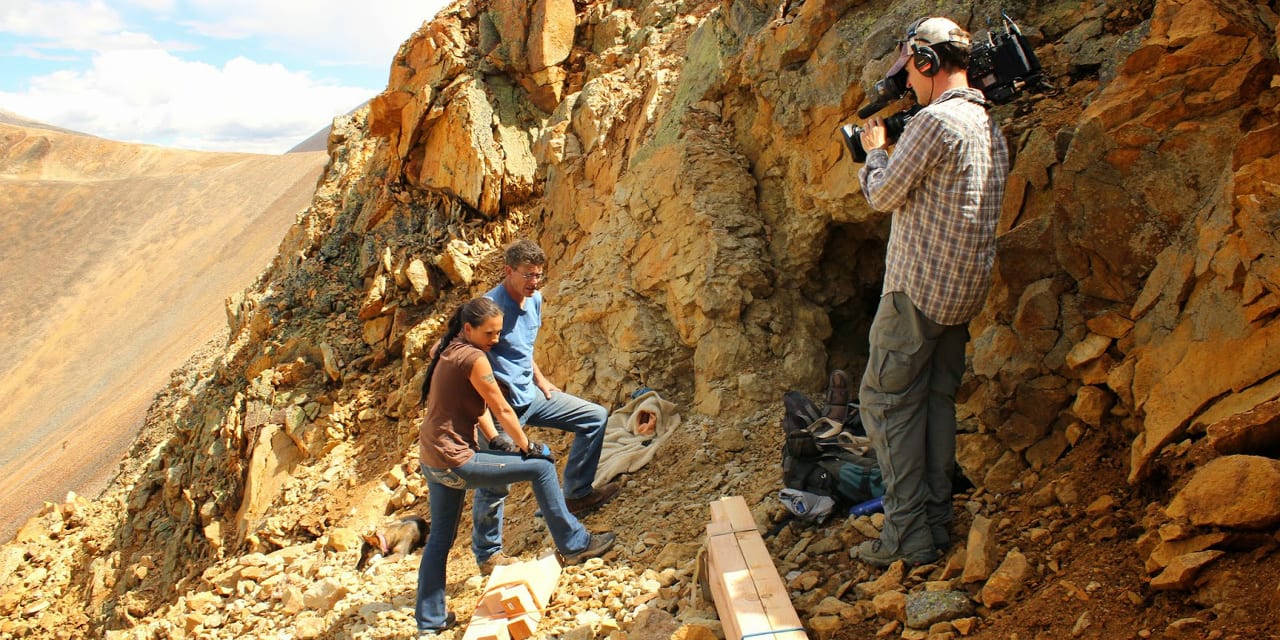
218	75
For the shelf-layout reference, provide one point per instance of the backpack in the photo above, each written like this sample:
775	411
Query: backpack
827	458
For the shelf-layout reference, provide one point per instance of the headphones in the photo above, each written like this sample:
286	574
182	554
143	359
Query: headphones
924	58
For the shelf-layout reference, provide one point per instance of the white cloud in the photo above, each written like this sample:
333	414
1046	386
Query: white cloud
366	32
337	31
153	5
154	97
59	20
197	73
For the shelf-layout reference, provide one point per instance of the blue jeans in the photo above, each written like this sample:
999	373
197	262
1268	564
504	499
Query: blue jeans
486	469
567	413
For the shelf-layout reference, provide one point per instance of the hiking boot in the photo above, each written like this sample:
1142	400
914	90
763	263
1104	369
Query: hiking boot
498	559
593	500
941	537
874	554
596	547
838	396
450	621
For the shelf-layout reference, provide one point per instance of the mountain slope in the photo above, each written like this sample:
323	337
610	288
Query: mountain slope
116	261
680	163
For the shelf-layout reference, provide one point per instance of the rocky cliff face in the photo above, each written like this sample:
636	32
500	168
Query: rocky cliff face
680	163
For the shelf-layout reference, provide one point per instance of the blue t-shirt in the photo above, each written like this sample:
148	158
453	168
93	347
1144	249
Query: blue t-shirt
512	357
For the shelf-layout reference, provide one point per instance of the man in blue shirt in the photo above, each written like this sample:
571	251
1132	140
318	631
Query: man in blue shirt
536	400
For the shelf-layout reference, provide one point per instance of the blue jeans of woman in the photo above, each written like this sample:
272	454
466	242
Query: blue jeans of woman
586	420
486	469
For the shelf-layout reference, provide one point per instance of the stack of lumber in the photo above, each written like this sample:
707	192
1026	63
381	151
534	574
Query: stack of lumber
514	599
750	596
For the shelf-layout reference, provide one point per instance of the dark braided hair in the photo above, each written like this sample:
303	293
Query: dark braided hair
473	313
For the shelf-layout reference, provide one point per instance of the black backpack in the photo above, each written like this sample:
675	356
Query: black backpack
827	458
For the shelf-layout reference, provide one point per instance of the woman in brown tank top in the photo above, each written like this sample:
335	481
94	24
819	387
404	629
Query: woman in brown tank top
463	396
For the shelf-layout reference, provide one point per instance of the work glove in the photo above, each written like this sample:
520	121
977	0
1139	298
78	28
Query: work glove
504	443
537	451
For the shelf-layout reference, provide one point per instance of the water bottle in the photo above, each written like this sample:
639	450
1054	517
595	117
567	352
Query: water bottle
867	508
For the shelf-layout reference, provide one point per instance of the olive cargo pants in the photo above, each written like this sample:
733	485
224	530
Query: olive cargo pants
907	400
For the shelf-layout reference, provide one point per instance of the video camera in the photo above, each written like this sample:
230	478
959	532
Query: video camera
1001	67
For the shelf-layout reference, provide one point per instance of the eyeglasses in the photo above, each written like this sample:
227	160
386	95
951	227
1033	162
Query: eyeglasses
532	277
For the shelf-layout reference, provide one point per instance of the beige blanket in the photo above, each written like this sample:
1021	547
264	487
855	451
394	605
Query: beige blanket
633	435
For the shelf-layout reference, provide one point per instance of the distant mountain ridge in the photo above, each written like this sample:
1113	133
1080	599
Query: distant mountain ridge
116	262
7	117
319	141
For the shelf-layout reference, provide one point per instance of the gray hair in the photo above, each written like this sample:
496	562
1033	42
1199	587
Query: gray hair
525	252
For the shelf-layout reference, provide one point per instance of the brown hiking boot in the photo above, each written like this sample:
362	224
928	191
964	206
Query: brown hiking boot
498	559
838	396
593	500
598	545
874	554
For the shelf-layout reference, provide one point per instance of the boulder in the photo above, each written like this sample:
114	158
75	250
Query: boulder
1046	452
324	594
456	263
1164	553
272	457
980	551
975	453
1092	404
1087	350
1006	582
420	281
890	605
551	31
890	580
1181	572
1251	432
1036	318
925	609
458	154
1111	324
1240	492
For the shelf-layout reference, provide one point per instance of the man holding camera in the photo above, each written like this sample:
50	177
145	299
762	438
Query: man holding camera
943	184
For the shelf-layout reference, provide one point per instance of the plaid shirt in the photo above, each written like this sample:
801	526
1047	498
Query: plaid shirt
944	185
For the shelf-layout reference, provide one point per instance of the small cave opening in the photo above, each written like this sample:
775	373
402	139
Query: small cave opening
850	275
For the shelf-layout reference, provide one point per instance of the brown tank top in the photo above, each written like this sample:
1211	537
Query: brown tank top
447	433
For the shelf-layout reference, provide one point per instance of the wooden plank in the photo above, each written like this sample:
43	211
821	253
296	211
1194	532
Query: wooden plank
490	604
749	595
541	575
724	560
740	608
513	599
736	602
486	629
517	600
507	601
719	528
738	514
523	626
768	584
